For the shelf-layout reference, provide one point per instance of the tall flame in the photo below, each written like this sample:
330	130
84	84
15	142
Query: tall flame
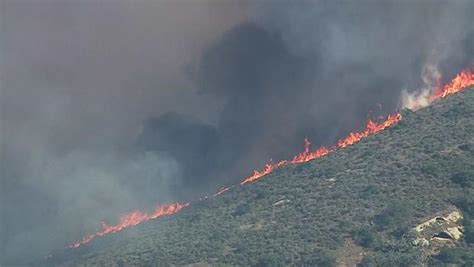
131	219
464	79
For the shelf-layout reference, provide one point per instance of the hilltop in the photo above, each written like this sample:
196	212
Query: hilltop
356	205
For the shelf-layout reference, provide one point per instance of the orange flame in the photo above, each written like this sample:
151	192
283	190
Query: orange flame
462	80
371	128
257	174
307	155
130	219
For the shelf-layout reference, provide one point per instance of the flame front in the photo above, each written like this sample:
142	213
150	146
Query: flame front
464	79
131	219
308	154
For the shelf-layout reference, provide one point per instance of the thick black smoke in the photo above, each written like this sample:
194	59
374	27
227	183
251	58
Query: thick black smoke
111	107
188	141
318	69
250	72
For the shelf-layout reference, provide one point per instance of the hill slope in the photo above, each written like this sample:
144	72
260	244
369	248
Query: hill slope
357	202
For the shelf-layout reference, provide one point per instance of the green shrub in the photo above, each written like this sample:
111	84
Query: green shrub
449	255
469	235
270	261
396	214
468	229
367	261
453	256
369	191
242	209
465	202
322	259
396	259
366	237
467	147
465	178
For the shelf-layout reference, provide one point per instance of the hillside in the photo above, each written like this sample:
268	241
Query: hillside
357	204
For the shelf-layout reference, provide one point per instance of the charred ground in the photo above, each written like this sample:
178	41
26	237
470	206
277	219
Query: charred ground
358	203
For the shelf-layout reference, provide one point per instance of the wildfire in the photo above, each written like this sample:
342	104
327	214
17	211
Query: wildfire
130	219
371	128
464	79
308	154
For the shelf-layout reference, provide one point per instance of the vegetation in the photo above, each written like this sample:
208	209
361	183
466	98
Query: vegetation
394	215
372	193
465	178
455	255
367	237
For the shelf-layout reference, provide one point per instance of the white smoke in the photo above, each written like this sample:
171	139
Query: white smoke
421	98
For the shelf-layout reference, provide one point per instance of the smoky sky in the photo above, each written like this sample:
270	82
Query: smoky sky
112	106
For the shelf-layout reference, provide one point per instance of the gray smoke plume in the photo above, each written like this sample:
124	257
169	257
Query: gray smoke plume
79	78
108	107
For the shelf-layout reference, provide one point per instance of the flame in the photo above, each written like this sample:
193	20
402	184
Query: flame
462	80
371	128
268	168
307	155
131	219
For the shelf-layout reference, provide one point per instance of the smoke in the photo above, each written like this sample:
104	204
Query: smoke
398	40
79	78
70	194
420	98
108	107
189	141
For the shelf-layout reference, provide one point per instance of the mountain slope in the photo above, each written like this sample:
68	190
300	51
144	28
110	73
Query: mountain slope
355	202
